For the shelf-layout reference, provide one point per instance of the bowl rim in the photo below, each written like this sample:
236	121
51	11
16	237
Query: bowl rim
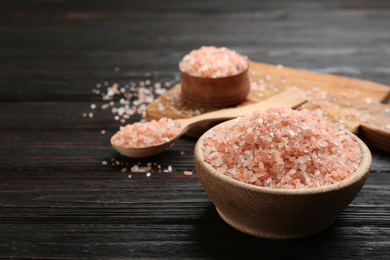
360	174
245	71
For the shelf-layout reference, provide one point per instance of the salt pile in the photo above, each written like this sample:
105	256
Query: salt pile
144	134
213	62
282	148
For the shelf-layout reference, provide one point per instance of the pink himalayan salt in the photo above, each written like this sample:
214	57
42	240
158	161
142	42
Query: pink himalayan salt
187	173
146	134
213	62
282	148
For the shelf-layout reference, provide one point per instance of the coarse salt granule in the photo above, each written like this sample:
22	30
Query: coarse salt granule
144	134
213	62
282	148
187	173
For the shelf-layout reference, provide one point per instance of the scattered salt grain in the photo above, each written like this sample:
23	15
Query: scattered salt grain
303	150
148	174
135	168
187	173
213	62
369	101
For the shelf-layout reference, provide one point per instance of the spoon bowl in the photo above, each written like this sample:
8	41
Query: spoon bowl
292	97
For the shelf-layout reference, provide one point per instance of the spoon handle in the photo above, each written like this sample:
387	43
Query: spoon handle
291	97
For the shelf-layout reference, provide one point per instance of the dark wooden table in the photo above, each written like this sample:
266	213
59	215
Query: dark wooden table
63	193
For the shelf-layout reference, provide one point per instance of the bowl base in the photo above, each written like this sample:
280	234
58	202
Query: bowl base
261	233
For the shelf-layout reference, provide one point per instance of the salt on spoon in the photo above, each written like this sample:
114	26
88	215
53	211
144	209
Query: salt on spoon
291	97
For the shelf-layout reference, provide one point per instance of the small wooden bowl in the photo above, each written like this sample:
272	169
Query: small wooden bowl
215	92
279	213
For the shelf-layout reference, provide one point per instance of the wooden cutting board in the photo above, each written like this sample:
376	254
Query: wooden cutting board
353	104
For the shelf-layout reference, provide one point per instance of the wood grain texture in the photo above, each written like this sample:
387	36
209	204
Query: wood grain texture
57	199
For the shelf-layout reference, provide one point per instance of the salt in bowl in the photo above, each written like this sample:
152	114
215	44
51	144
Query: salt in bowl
279	213
205	88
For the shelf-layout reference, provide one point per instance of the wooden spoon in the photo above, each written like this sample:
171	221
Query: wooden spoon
291	97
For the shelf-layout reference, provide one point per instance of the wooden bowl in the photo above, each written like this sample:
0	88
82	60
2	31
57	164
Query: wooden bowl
279	213
215	92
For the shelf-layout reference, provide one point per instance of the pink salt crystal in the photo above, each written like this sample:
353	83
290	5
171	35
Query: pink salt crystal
284	148
146	134
135	168
213	62
187	173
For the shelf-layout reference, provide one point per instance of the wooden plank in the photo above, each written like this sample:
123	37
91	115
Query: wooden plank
57	199
92	214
